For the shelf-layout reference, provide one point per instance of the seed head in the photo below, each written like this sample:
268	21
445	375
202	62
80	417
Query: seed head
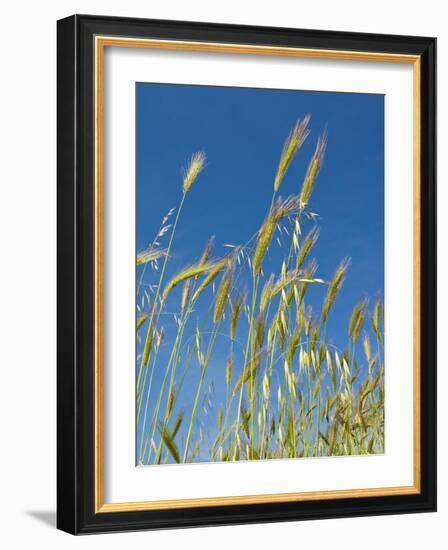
334	287
281	209
313	170
223	295
193	169
295	139
150	255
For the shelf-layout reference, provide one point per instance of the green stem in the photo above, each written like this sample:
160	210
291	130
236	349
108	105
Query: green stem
147	405
171	361
162	274
198	391
246	353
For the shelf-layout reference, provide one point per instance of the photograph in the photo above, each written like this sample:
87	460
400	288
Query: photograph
246	235
221	226
259	279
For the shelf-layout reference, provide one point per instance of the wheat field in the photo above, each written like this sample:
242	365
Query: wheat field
285	389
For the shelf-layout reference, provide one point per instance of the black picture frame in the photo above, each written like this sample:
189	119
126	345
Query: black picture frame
76	255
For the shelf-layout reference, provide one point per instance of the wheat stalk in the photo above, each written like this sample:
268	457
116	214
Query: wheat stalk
334	287
281	209
295	140
192	170
187	273
150	255
223	294
313	170
337	410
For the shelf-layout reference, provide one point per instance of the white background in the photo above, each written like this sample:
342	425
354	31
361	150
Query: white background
27	289
124	482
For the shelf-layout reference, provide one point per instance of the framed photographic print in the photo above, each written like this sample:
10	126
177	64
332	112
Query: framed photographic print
246	274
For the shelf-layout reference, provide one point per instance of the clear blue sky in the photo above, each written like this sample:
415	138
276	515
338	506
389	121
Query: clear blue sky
242	131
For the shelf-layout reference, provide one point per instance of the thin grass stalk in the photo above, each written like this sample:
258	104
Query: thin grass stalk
198	392
147	399
162	274
255	282
187	365
172	362
177	346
